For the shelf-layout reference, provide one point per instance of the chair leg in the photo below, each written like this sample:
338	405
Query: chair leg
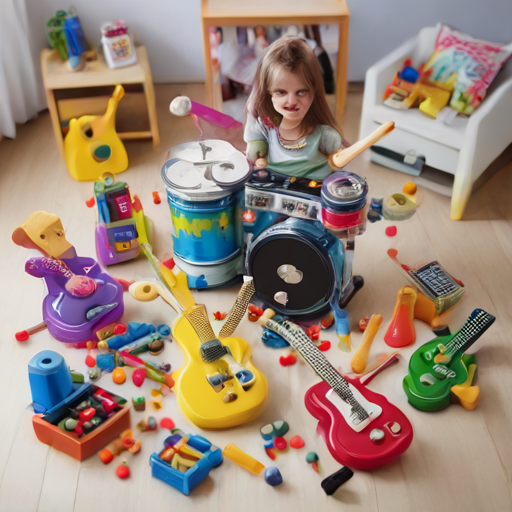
462	186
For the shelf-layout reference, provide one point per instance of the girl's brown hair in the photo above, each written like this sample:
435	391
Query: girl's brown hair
294	55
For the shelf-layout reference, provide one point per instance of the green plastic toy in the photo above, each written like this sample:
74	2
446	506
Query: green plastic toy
439	365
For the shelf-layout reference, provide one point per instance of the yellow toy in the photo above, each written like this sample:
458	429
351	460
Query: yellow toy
212	395
92	145
405	95
360	358
467	393
218	386
241	458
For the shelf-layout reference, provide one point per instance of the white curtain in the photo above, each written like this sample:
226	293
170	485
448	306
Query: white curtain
18	88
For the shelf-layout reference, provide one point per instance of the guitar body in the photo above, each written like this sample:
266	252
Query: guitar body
428	383
65	314
438	365
92	145
197	398
356	449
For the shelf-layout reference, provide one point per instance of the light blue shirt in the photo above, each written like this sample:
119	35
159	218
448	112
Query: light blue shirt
310	160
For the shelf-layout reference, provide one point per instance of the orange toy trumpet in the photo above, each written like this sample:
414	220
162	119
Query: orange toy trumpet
401	331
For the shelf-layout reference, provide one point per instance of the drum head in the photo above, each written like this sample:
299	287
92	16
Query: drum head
205	171
292	273
183	174
231	171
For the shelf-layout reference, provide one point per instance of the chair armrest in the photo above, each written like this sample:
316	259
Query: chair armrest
489	129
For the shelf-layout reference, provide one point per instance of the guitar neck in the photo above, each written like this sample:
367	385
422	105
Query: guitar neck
478	322
299	340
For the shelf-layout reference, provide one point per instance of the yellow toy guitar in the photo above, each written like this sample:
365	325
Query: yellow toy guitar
218	386
92	145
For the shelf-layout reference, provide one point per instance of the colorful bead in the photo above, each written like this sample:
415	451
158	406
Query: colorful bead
139	403
280	443
297	442
273	476
311	457
118	376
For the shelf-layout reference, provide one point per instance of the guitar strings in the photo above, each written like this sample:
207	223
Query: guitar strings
299	340
474	327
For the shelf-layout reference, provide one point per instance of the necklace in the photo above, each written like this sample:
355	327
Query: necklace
292	144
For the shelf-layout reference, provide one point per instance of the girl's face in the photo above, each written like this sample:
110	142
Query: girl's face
291	96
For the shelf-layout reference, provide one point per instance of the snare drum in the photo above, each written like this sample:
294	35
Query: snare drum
204	182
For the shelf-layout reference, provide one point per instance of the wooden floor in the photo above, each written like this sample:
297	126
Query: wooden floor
458	460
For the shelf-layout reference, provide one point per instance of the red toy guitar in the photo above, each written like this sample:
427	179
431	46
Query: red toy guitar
360	427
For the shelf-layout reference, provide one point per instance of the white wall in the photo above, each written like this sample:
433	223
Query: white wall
378	26
171	29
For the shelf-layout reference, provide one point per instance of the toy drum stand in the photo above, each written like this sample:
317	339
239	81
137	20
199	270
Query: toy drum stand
301	265
204	182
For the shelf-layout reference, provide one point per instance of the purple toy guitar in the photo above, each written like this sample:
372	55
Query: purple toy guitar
82	298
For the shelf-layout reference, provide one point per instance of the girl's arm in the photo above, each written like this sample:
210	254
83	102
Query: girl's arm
257	143
257	150
330	142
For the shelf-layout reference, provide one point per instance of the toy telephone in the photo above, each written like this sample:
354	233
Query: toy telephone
360	427
82	299
438	366
92	145
218	386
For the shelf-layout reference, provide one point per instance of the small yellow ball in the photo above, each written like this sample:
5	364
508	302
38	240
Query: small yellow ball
103	346
118	376
410	188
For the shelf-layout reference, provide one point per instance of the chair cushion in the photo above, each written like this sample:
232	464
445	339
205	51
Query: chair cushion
466	66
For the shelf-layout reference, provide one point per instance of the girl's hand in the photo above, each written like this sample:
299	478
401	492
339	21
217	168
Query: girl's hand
261	163
331	163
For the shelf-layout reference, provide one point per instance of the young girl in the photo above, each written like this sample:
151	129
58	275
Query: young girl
290	128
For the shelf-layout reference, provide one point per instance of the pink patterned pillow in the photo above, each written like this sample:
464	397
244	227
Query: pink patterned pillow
465	66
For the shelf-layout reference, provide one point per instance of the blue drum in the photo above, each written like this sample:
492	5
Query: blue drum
204	182
301	263
205	232
296	266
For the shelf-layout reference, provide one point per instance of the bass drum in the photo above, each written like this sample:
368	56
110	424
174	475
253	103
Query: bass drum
296	266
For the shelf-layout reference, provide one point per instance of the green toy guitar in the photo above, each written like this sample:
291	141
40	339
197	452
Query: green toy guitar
438	365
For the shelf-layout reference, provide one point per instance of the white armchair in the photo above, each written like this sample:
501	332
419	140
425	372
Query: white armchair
465	147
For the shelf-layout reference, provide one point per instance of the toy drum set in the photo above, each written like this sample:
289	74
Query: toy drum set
204	182
290	239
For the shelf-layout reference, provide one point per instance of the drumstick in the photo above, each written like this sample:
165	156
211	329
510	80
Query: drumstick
360	358
344	156
24	335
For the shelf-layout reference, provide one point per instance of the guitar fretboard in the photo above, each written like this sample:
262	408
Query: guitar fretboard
198	319
238	310
300	341
478	322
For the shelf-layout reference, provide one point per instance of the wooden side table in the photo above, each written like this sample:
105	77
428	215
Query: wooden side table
57	76
222	13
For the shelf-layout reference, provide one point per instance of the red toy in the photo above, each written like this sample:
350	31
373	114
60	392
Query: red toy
381	442
360	427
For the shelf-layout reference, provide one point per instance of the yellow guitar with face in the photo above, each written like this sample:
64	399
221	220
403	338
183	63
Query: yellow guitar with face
92	145
218	386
